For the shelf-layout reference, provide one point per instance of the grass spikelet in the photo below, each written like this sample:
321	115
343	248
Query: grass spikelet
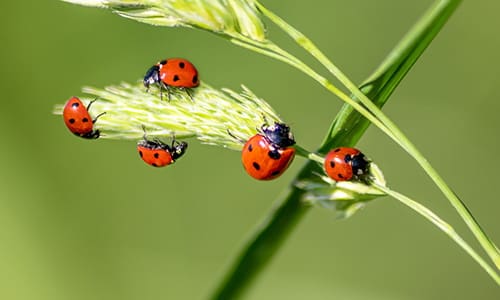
209	115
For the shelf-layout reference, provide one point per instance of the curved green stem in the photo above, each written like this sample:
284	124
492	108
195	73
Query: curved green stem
443	226
309	155
274	51
436	16
346	130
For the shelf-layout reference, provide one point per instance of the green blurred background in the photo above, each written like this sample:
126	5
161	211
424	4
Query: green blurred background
89	220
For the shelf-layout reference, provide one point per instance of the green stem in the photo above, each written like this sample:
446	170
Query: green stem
269	235
434	19
309	155
346	130
263	245
276	52
443	226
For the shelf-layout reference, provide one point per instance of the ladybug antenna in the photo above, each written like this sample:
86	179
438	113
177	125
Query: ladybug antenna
235	137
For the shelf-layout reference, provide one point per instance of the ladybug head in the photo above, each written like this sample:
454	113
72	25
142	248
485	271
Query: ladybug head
152	76
278	134
359	164
95	134
178	149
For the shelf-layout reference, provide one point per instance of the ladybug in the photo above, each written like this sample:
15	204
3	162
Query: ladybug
344	163
173	72
158	154
268	154
78	120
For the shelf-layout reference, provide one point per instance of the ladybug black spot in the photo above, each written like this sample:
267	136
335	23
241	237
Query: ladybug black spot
277	172
332	164
154	165
340	175
85	120
250	148
336	150
156	155
176	78
163	62
274	154
181	65
347	158
195	79
256	166
72	121
75	104
140	153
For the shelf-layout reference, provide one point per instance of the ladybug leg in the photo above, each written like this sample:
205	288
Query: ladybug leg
96	134
265	119
161	91
174	141
176	144
168	93
177	149
162	87
145	135
188	91
97	117
235	137
264	126
91	135
90	103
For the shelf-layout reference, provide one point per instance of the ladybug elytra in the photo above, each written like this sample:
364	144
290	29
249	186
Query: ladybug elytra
268	154
78	120
345	163
173	72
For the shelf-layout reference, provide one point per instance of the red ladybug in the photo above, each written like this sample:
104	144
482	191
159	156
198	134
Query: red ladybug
268	154
78	120
344	163
173	72
158	154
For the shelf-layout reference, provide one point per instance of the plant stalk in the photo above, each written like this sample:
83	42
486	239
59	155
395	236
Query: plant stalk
346	130
444	227
433	20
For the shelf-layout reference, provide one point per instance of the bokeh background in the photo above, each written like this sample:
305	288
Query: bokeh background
86	219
